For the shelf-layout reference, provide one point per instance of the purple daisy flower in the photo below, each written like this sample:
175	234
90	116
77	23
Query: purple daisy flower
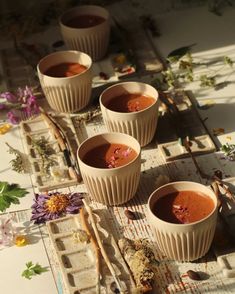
50	206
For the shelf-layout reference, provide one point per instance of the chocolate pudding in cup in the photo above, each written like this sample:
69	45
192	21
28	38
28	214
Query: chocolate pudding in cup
183	218
66	80
110	167
86	28
131	108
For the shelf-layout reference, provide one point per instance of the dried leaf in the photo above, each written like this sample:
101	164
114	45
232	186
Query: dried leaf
218	131
194	275
130	214
180	52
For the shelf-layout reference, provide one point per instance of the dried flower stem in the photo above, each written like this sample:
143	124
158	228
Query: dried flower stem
102	249
44	151
215	188
62	142
228	193
201	173
184	70
213	178
95	246
17	163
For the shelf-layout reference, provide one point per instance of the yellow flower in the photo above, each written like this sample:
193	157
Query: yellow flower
120	59
4	129
57	203
21	241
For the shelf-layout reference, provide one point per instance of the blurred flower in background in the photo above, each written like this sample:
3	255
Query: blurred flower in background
20	105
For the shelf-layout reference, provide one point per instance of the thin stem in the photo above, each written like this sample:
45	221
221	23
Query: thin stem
213	178
96	249
102	249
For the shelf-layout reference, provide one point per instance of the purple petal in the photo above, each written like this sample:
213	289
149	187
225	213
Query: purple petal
2	106
71	209
13	118
9	97
28	91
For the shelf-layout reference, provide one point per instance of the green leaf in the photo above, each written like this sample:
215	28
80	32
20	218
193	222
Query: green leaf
228	61
15	190
3	204
9	193
33	270
3	186
27	274
38	269
9	198
29	264
206	81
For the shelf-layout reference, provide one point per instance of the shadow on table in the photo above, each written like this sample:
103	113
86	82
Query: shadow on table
31	231
218	115
149	182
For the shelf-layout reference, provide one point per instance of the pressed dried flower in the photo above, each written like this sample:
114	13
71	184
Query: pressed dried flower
4	129
17	163
45	153
48	206
80	236
9	97
20	241
7	230
21	104
13	117
57	173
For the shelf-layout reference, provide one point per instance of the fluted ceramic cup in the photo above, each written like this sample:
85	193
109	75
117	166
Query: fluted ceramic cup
141	124
110	186
92	40
66	94
183	242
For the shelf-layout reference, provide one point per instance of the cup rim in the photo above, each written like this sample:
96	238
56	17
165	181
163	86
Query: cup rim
115	168
180	225
84	6
133	112
43	59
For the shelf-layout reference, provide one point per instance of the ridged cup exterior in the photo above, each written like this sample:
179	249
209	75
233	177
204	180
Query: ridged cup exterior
67	94
183	242
112	186
142	124
94	40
